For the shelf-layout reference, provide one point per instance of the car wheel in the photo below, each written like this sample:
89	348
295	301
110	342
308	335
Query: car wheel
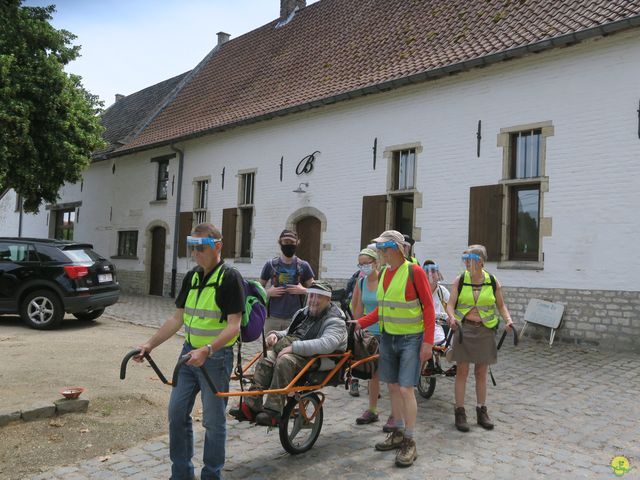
42	310
92	315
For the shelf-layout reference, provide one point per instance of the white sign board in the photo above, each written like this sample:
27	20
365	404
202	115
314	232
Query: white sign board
544	313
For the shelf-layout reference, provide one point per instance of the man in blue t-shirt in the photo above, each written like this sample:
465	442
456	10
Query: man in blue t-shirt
289	276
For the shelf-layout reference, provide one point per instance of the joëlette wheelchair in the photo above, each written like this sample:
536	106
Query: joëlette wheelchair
301	419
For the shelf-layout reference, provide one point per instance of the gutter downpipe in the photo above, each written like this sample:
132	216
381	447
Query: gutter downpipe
176	223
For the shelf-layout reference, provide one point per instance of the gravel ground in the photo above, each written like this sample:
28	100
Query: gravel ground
36	365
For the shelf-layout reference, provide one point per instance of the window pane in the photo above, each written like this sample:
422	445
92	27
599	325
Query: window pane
527	222
247	221
402	171
526	154
411	168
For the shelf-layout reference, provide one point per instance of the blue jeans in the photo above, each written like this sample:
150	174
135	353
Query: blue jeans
400	359
183	396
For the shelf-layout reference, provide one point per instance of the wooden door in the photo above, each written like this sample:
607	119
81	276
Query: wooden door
309	248
156	280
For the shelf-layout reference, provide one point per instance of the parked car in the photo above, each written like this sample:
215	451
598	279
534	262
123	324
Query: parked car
41	279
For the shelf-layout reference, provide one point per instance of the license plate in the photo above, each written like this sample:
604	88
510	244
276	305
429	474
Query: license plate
105	277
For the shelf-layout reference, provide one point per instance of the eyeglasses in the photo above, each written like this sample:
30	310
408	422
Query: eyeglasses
471	256
199	244
388	244
360	265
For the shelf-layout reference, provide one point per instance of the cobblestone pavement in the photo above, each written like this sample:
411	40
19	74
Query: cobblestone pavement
560	412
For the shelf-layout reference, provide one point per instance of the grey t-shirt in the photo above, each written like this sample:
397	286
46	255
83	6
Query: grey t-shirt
281	274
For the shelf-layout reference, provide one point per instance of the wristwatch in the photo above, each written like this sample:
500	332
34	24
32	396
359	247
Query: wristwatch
210	350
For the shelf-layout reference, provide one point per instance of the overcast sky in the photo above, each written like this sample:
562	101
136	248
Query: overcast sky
128	45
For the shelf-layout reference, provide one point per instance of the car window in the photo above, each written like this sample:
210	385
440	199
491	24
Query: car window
82	255
17	252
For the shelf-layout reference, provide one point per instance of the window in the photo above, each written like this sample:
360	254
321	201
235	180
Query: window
17	252
508	218
201	201
163	180
404	169
65	221
128	243
245	205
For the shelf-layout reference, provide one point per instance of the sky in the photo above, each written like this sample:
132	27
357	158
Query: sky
128	45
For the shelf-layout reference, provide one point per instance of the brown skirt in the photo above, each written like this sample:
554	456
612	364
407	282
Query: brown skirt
478	344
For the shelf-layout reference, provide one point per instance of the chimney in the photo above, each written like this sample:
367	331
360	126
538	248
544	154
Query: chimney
119	97
288	6
222	38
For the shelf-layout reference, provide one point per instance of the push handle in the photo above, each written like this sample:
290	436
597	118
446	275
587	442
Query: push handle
146	356
183	360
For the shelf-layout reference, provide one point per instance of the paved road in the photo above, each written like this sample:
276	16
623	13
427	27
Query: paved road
560	412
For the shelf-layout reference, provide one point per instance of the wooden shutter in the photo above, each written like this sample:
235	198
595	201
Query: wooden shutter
374	217
229	216
186	223
485	218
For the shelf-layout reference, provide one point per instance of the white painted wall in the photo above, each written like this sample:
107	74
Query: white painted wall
589	92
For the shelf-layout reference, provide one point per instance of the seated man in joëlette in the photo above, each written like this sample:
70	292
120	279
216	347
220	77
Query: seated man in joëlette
318	328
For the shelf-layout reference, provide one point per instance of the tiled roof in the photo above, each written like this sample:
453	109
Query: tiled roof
125	117
337	49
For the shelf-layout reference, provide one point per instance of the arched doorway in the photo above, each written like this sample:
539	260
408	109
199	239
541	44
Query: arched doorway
308	229
156	272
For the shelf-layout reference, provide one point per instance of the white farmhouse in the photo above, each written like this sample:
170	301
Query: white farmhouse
511	124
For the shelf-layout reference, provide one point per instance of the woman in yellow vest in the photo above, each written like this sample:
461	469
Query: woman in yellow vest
475	308
209	306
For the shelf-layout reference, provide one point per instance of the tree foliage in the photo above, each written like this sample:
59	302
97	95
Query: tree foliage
49	123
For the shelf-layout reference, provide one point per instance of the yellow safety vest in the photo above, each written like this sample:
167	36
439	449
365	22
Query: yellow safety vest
485	304
397	315
202	316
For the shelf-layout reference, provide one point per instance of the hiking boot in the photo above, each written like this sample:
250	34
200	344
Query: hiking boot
483	418
407	453
242	413
390	426
451	371
394	440
461	420
367	417
354	388
268	418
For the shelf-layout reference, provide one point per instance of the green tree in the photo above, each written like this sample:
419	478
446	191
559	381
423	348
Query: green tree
49	123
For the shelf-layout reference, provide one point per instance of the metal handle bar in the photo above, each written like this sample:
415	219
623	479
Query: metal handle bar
184	359
504	335
132	353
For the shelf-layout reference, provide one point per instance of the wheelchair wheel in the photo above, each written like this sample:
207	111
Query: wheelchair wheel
426	386
301	423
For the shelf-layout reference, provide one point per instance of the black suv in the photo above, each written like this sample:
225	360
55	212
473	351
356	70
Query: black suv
41	279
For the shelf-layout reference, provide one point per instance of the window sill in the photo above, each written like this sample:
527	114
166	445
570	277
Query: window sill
242	260
521	265
124	257
158	202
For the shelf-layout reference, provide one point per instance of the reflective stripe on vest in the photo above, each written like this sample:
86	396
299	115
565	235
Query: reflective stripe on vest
202	316
397	315
485	305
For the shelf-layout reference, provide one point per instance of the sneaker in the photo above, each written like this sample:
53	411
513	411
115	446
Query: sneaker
451	372
354	388
394	440
407	453
390	426
268	418
483	418
367	417
242	413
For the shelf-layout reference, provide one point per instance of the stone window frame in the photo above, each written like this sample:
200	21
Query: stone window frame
388	155
504	141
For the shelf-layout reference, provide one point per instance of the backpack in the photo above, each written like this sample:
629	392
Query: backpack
362	344
492	280
351	285
255	309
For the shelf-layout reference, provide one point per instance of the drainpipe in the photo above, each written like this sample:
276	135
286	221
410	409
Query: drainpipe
176	223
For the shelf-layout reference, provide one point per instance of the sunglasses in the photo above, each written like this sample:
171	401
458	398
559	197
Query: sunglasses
383	245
